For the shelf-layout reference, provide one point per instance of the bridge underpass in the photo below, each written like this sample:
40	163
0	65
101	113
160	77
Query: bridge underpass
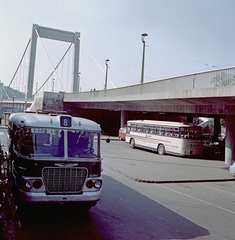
114	115
209	94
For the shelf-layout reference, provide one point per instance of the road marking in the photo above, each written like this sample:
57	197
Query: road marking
231	193
186	195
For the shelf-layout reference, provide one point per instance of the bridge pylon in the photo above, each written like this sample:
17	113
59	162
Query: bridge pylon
54	34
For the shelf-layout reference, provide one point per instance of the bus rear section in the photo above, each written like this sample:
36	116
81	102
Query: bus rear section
55	159
165	137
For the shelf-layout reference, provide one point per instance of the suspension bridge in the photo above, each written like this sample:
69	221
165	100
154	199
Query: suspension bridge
25	84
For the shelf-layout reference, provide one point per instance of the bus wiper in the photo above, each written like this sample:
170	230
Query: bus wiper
35	142
80	134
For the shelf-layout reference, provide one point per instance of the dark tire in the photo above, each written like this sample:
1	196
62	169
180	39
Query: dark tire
161	149
132	143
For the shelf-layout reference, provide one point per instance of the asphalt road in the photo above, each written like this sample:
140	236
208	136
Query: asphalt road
202	207
130	209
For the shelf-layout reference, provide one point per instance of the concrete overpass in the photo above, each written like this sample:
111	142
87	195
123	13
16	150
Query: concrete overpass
209	92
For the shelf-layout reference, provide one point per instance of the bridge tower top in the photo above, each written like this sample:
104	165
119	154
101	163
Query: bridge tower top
54	34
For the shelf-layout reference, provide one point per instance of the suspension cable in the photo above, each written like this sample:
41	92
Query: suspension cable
96	61
207	64
19	63
49	59
6	92
55	69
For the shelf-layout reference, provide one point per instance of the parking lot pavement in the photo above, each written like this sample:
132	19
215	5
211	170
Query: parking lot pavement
148	167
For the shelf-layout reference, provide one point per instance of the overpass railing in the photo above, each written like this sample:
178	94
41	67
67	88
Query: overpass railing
209	79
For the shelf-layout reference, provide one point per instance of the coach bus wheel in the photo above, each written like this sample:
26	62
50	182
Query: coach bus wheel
132	143
161	149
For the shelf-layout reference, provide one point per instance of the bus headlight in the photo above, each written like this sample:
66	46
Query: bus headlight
96	183
28	184
90	184
33	183
37	184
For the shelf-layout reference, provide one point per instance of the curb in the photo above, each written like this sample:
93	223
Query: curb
172	181
183	181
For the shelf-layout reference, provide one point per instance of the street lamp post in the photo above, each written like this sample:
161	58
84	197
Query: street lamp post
79	80
26	93
53	82
142	72
36	89
1	86
106	75
13	102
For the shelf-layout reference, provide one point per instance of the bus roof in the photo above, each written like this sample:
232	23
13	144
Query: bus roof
163	123
52	121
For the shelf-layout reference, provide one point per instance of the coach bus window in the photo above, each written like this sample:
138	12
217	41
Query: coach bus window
133	127
158	130
175	132
167	131
153	129
162	131
146	129
184	132
139	128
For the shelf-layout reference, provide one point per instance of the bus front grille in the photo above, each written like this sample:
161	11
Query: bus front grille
64	179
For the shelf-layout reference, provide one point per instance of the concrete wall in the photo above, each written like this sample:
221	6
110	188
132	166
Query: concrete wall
47	101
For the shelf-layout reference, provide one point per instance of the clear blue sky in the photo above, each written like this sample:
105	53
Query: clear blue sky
184	36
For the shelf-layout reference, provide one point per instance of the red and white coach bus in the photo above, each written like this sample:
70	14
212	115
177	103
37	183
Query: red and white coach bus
175	138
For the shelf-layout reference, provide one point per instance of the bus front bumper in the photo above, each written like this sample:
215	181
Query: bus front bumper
37	197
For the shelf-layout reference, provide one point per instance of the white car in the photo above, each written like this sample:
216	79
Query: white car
232	169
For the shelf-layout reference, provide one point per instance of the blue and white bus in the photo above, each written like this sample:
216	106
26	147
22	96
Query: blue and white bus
55	158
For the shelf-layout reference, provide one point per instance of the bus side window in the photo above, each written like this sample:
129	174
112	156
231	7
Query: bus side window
158	130
153	130
133	127
145	129
184	132
175	132
162	131
27	144
139	128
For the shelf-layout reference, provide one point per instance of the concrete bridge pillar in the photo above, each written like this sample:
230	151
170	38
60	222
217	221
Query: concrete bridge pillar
229	140
216	127
123	118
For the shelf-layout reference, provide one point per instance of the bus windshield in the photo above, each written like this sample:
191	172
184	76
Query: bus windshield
82	144
41	142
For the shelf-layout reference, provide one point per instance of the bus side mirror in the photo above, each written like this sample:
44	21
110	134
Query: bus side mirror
107	140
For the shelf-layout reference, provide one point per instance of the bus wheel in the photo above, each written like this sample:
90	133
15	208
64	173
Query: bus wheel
161	149
132	143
